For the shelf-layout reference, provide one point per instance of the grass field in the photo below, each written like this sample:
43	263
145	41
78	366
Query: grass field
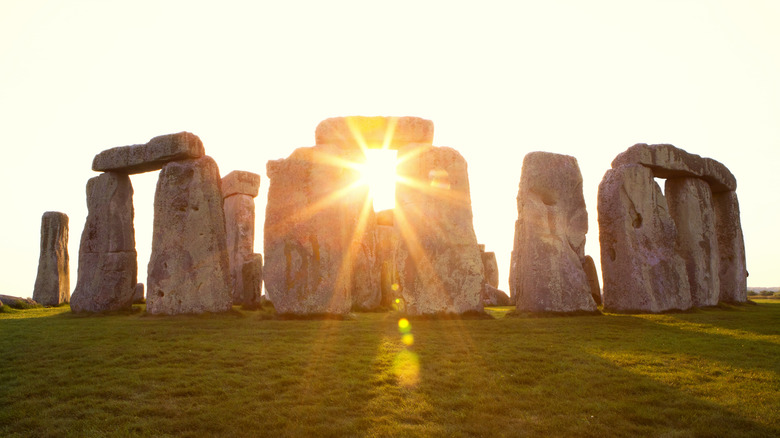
713	372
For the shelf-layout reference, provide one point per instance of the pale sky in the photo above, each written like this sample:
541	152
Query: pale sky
498	80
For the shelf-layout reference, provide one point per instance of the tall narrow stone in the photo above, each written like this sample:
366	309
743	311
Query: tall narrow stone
690	205
641	269
52	285
239	189
731	247
439	261
252	281
589	266
189	271
491	267
550	237
108	266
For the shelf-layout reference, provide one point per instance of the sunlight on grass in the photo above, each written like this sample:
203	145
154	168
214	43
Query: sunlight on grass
678	323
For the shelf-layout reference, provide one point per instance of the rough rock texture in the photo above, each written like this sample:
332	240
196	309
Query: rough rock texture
351	132
550	237
239	189
668	161
138	297
52	285
252	281
690	205
150	156
189	271
108	266
641	269
494	297
317	233
17	302
240	182
593	278
731	247
490	265
438	258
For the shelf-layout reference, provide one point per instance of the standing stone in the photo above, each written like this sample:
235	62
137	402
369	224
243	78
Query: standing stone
550	238
239	189
252	281
52	285
439	262
490	265
189	271
593	278
642	271
690	205
731	248
138	297
108	266
311	222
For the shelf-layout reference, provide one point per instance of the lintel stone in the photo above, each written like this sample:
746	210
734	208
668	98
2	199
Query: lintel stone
151	156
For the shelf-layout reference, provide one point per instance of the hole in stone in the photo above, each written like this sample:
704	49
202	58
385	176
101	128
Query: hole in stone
612	255
160	293
637	221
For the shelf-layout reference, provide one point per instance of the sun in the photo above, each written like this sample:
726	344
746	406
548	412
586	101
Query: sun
378	172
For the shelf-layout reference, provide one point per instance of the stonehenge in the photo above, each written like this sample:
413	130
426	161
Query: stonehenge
52	284
326	251
671	252
547	273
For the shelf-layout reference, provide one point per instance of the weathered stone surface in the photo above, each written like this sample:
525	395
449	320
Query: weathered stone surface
108	267
731	248
317	233
550	237
494	297
491	267
150	156
438	258
252	281
138	297
593	278
189	271
240	182
641	269
690	205
668	161
17	302
52	285
240	232
351	132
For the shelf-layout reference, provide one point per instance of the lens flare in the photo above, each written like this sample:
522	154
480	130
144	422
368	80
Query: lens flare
408	339
403	325
406	368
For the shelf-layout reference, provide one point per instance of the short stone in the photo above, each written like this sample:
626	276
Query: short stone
150	156
52	285
494	297
252	281
138	297
239	182
491	267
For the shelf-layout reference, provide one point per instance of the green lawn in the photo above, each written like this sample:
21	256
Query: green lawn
713	372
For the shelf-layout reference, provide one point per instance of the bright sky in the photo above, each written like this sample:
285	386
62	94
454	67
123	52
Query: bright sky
498	79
